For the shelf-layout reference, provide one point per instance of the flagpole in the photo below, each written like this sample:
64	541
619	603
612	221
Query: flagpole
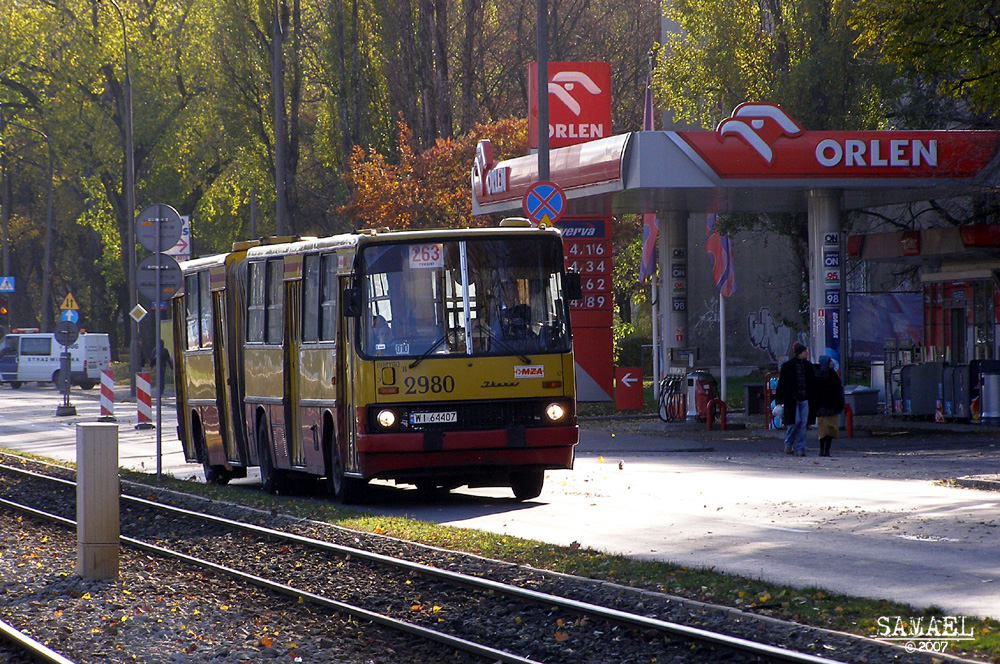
655	306
722	346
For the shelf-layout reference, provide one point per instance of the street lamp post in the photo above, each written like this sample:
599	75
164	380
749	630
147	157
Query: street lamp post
47	255
130	206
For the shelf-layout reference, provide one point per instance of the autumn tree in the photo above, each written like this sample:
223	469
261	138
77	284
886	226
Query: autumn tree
425	188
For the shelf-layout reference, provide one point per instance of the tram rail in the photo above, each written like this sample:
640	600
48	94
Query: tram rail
217	532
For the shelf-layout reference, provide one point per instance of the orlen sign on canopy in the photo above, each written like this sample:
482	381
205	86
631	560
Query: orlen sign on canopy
579	102
761	141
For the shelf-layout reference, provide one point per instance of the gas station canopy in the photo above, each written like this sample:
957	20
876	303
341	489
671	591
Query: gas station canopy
757	160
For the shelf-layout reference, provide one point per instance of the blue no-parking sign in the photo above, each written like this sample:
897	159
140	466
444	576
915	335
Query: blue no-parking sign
544	202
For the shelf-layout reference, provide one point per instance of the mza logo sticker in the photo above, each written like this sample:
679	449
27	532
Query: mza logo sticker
529	371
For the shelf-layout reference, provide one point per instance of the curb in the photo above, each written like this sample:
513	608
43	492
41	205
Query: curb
981	482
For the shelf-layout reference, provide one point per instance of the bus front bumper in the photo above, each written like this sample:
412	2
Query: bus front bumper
400	455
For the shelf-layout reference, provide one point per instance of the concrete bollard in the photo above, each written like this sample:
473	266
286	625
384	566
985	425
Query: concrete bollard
97	509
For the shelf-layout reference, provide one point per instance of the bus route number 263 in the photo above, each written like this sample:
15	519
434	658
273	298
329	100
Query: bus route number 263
429	384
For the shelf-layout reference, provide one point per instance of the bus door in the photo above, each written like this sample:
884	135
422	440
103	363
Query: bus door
222	378
317	364
293	325
347	408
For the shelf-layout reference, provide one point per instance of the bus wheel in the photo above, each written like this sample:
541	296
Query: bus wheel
348	490
268	473
527	484
213	474
15	384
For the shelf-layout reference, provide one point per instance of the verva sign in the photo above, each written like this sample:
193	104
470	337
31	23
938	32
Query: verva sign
579	102
763	141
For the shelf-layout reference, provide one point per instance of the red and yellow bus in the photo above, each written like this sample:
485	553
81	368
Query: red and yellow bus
434	358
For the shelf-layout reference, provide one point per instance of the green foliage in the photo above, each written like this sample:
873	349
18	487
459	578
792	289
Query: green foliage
797	53
620	336
954	45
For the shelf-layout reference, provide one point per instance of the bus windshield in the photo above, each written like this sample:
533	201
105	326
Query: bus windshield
464	297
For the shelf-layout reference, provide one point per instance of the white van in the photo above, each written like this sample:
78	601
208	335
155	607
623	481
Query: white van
35	356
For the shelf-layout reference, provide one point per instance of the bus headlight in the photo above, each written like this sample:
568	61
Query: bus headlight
555	411
386	419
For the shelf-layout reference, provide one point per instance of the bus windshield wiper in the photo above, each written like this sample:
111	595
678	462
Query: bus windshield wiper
524	358
427	353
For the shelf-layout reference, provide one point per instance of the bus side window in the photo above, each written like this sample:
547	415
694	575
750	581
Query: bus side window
328	303
275	301
191	308
310	299
205	303
255	309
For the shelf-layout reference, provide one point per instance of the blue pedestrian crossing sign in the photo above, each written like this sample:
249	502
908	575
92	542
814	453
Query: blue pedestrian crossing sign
6	284
544	202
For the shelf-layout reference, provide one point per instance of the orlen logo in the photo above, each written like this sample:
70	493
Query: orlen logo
564	82
760	125
529	371
579	102
487	180
761	140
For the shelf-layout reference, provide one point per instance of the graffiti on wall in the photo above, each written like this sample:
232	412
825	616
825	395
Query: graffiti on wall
768	334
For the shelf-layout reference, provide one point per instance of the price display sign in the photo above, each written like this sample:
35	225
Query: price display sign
587	248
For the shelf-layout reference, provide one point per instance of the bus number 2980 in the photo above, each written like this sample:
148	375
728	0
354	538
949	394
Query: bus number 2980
432	384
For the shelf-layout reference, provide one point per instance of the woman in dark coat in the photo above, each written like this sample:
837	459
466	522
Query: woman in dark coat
828	404
795	392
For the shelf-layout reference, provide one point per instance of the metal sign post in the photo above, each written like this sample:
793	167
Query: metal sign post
66	334
158	229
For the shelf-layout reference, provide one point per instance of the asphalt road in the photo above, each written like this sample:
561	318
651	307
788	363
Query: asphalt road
875	520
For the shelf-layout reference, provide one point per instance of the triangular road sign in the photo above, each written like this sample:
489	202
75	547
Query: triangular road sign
69	303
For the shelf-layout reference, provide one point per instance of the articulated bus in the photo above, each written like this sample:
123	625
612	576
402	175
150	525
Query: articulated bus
433	358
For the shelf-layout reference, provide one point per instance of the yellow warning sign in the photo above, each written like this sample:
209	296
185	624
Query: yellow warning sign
69	303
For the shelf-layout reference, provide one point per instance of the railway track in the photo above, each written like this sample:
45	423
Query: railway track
536	618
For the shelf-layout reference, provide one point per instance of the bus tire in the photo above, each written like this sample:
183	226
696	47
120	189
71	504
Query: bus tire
15	384
213	474
270	481
527	484
347	490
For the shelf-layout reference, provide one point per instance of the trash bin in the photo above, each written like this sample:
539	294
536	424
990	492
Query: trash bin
753	399
989	391
862	400
700	390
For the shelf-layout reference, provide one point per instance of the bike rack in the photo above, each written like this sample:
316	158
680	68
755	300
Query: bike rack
722	414
768	397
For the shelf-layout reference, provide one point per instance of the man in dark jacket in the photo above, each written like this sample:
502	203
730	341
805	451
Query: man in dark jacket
796	384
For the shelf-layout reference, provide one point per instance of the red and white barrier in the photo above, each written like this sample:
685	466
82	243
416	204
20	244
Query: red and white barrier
107	396
143	403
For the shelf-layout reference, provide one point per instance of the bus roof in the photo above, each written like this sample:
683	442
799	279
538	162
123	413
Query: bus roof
373	236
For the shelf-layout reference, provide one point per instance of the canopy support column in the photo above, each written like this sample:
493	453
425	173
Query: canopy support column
826	289
673	296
